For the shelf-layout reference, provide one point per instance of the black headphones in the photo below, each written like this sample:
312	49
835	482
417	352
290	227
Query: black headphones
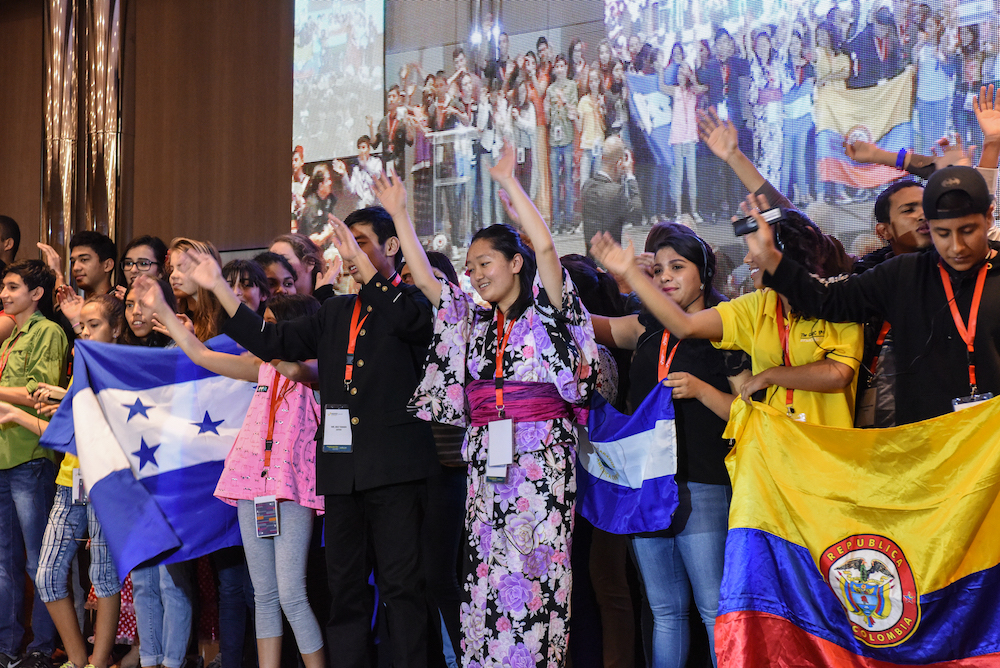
706	273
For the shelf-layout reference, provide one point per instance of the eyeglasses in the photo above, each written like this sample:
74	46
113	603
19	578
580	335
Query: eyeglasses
141	264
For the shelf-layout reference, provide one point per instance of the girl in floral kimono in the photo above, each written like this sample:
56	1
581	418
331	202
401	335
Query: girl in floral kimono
529	358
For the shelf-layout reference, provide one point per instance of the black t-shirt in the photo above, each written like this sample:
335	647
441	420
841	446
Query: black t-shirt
700	446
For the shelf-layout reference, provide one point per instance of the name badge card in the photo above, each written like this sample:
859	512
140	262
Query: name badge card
962	403
337	435
500	453
266	511
79	494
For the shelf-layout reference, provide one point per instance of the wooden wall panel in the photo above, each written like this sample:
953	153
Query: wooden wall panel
212	120
21	103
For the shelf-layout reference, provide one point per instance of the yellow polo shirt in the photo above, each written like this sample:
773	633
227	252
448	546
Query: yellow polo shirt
748	324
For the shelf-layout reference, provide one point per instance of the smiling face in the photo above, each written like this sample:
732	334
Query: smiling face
756	275
140	260
17	298
907	230
678	278
962	242
95	325
493	276
88	269
138	319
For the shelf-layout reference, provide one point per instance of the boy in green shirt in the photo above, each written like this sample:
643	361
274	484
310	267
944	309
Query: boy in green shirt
35	353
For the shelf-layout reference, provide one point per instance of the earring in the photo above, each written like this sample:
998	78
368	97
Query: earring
701	288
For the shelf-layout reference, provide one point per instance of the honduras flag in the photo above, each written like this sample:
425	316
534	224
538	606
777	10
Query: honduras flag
152	430
625	476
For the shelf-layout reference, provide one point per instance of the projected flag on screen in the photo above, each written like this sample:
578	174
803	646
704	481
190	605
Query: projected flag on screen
881	115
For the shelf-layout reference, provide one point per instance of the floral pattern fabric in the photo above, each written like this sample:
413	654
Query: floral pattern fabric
517	569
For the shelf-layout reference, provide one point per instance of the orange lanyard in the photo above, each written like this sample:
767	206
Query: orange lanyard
886	326
6	356
666	359
276	398
503	335
968	334
352	342
783	332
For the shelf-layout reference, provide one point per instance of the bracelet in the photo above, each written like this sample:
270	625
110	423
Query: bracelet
900	159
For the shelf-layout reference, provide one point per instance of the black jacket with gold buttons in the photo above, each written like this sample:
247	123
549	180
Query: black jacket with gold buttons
389	444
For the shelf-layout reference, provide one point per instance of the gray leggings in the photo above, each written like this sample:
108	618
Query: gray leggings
281	589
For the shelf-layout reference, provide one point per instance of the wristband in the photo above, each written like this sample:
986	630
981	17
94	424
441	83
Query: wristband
900	159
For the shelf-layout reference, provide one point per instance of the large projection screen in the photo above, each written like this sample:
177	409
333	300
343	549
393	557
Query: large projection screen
798	78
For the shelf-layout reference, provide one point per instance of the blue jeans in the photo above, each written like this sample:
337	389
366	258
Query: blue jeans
162	597
687	557
933	121
561	164
235	597
68	522
26	493
793	166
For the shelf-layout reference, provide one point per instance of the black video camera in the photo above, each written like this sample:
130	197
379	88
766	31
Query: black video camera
746	225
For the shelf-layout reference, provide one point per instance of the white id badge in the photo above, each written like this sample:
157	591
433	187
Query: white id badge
598	148
266	512
336	429
501	450
962	403
723	111
557	133
79	494
520	156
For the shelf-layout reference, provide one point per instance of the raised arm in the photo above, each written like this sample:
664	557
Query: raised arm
988	116
722	140
549	269
240	367
392	193
705	324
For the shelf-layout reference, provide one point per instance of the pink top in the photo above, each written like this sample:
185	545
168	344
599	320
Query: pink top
292	473
683	125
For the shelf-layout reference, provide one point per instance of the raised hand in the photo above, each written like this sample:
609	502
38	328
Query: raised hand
199	267
720	136
70	303
391	192
761	241
860	151
987	113
147	292
51	259
504	167
952	154
332	273
615	259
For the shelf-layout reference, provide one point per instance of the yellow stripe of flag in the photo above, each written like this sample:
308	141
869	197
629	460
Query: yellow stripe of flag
931	487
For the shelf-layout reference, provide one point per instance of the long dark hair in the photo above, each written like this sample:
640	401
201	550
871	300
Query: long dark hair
598	290
692	248
155	339
505	240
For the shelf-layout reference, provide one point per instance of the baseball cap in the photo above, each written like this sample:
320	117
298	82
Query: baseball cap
949	179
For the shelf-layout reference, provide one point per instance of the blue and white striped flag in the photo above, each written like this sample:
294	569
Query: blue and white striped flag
625	477
152	430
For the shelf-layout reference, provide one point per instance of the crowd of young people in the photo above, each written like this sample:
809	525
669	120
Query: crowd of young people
407	369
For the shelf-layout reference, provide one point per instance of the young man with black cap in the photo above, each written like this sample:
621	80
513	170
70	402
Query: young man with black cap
943	303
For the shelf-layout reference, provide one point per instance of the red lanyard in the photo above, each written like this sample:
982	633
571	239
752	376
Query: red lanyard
352	341
276	398
396	279
665	359
783	332
886	326
503	335
968	334
6	356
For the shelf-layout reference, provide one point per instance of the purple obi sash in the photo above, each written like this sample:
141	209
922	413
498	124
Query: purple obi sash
523	402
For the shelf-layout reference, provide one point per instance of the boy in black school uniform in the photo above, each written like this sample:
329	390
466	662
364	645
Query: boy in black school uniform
373	457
